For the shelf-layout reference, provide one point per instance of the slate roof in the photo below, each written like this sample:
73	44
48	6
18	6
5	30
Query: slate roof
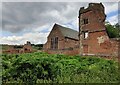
68	32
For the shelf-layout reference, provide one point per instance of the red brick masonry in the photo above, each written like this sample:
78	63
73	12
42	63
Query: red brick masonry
92	37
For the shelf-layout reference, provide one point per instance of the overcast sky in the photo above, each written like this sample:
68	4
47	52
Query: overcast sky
32	21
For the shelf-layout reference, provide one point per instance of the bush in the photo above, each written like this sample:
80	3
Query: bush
40	67
113	30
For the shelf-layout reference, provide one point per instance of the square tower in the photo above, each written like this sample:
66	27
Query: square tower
92	31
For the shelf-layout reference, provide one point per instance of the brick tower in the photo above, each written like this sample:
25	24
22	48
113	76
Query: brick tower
92	32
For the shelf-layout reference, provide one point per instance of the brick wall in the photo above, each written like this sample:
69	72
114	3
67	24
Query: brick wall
69	51
27	48
54	33
66	45
98	42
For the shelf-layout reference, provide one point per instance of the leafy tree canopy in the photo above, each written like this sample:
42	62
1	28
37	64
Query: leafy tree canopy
113	30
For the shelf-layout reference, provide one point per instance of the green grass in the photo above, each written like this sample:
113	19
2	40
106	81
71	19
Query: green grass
45	68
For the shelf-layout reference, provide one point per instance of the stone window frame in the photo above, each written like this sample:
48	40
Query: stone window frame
51	43
85	21
54	43
85	34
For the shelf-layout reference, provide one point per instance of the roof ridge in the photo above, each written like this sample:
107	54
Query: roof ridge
67	32
65	27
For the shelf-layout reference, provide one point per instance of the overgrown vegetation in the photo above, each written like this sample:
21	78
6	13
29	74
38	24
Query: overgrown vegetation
113	30
37	46
44	68
5	46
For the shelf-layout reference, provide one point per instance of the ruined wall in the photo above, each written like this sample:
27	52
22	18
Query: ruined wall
54	33
93	21
70	51
65	45
71	43
27	48
98	42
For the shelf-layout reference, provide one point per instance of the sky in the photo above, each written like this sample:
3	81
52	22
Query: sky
33	21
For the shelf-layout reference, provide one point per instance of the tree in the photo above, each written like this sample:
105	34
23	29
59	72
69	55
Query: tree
113	30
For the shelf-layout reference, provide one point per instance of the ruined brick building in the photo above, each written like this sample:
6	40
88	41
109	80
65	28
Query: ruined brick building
26	48
62	40
92	37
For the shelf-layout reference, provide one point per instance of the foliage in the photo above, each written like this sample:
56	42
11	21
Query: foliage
5	46
37	46
113	30
40	67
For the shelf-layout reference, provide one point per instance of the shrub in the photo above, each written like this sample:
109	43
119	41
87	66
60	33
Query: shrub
40	67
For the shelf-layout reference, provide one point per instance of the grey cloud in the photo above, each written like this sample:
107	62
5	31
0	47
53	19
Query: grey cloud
18	16
21	16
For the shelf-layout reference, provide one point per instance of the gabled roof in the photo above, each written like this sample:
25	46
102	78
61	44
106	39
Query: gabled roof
68	32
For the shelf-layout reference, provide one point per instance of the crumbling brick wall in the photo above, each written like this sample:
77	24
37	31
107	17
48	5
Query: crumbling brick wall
74	51
97	42
27	48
